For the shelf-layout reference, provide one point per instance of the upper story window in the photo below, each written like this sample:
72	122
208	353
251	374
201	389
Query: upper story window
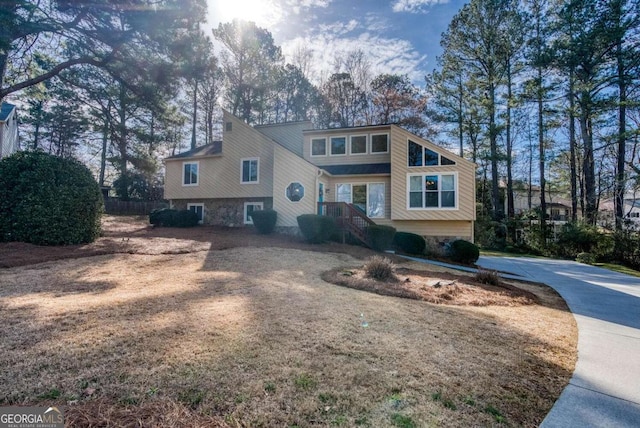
422	156
228	127
379	143
338	146
250	170
318	147
431	191
358	144
190	173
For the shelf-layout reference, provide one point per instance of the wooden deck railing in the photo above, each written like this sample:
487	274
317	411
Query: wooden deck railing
348	218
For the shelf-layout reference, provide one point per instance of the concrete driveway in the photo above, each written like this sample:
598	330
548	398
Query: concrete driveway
605	388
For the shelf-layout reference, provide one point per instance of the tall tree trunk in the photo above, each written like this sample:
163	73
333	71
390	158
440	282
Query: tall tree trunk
103	154
460	118
511	213
541	162
622	139
572	149
588	163
493	142
194	117
122	142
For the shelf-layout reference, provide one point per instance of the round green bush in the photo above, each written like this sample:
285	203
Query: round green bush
316	228
586	258
380	237
409	243
47	200
462	251
264	220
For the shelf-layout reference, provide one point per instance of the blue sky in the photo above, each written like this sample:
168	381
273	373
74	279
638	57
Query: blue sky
399	36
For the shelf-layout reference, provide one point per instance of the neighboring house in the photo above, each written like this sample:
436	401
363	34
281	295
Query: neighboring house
9	143
380	174
631	210
558	207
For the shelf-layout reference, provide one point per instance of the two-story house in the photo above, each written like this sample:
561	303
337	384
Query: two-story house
383	173
8	130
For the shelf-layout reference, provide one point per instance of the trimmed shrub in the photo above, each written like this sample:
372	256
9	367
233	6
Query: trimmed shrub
465	252
379	237
185	218
409	243
173	218
264	221
586	258
162	217
47	200
380	269
316	228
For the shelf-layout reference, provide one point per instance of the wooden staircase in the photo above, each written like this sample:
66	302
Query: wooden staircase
349	219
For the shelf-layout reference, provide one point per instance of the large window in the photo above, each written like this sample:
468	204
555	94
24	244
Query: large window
198	209
368	197
250	207
190	173
319	147
428	191
338	146
358	144
250	170
380	143
419	155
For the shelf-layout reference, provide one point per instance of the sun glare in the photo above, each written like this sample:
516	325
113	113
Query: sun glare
262	12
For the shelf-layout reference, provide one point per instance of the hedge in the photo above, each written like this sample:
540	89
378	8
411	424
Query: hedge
462	251
380	237
264	220
47	200
409	243
316	228
173	218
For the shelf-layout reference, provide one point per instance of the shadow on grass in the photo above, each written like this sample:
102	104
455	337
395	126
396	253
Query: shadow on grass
236	338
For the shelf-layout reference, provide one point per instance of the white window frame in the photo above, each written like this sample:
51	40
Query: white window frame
197	164
456	189
350	201
371	143
346	146
242	161
366	144
189	205
311	147
245	218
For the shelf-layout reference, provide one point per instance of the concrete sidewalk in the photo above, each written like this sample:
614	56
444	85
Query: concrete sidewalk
604	390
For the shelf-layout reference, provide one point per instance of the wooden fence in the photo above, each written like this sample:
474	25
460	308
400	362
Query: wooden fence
118	207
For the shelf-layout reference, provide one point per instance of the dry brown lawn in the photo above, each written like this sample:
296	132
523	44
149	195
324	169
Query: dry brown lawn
210	327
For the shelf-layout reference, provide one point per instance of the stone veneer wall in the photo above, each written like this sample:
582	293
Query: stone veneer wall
222	212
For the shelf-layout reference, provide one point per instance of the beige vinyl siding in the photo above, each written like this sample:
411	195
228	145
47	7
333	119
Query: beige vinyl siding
291	168
465	186
288	135
438	229
360	179
347	159
220	176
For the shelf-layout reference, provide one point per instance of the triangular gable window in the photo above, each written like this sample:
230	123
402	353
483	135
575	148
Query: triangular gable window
419	156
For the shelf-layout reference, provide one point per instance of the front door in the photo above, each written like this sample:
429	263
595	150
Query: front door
320	198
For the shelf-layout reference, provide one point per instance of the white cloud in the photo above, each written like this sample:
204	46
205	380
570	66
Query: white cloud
415	6
339	28
394	56
297	6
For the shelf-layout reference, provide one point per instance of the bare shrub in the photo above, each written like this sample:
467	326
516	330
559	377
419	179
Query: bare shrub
489	277
380	268
433	248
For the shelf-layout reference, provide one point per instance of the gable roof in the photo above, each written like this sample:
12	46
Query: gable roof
211	149
5	111
358	169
